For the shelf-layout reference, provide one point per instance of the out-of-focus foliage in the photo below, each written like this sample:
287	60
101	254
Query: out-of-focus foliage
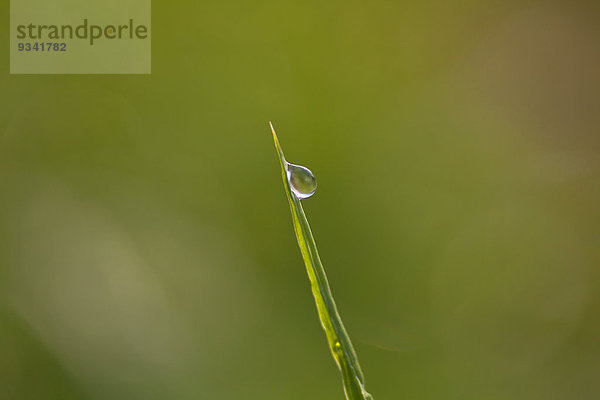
145	244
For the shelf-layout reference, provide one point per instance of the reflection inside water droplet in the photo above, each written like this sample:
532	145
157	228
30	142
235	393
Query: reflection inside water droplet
302	181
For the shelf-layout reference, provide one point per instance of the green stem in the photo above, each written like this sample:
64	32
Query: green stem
337	337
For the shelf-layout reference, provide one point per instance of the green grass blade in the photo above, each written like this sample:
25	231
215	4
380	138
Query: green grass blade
337	337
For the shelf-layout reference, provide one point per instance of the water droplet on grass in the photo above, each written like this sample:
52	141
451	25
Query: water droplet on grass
302	181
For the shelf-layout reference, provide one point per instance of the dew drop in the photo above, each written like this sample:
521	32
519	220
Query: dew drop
302	181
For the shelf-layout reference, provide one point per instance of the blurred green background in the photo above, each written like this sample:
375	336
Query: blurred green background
146	246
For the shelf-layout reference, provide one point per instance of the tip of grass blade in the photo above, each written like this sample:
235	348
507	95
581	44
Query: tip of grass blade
277	146
274	134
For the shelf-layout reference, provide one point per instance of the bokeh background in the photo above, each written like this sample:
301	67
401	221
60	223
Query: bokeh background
146	246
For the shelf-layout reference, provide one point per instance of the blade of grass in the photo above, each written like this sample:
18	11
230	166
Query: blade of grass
337	337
